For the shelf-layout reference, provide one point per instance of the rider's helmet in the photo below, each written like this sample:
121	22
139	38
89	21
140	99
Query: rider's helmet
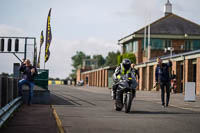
126	64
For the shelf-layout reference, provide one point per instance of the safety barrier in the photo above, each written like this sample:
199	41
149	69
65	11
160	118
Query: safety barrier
8	109
8	97
56	82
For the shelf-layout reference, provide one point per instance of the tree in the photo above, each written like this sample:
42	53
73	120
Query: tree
111	58
4	74
129	56
72	75
77	60
100	60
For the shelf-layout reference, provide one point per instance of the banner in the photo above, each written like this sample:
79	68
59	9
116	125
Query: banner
41	42
48	37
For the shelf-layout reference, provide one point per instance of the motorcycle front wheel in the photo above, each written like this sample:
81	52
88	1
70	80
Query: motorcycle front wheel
117	107
128	102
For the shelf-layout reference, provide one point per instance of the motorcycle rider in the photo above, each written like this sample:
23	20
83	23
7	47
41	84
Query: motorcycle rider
124	68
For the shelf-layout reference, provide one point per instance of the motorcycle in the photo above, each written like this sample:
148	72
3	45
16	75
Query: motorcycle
126	91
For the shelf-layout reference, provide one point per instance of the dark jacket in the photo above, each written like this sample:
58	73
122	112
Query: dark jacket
162	73
135	71
27	75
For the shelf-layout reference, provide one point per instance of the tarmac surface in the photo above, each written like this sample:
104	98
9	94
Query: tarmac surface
31	119
90	110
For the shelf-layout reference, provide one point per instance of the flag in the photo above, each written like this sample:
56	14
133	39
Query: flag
48	37
35	57
41	42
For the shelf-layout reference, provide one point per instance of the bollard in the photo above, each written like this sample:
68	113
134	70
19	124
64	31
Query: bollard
15	87
10	89
4	92
0	90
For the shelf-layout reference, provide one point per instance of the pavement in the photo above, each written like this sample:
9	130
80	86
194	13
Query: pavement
39	118
176	100
36	118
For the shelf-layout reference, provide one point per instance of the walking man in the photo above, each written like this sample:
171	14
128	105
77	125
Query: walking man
163	79
29	73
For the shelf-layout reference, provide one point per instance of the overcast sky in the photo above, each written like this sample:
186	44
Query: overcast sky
92	26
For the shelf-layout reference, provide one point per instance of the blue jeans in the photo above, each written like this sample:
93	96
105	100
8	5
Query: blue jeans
30	84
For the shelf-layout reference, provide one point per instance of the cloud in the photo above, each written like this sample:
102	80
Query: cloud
7	30
141	9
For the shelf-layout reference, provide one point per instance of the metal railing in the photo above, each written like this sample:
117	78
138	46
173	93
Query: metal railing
7	110
9	100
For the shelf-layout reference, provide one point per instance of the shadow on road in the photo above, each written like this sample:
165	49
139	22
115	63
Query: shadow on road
56	100
156	112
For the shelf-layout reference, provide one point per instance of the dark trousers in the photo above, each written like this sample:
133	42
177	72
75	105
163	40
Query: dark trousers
31	85
163	86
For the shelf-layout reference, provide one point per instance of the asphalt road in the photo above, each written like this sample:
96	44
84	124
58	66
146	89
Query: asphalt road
90	110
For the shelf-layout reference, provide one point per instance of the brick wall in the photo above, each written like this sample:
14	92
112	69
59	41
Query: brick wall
176	67
188	70
148	76
78	75
141	79
139	58
144	81
106	78
157	53
198	77
176	44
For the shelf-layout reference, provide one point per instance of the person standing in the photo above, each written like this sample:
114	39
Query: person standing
135	71
163	79
28	74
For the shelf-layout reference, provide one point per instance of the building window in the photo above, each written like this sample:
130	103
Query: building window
188	45
195	44
167	43
129	47
135	46
157	44
87	63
